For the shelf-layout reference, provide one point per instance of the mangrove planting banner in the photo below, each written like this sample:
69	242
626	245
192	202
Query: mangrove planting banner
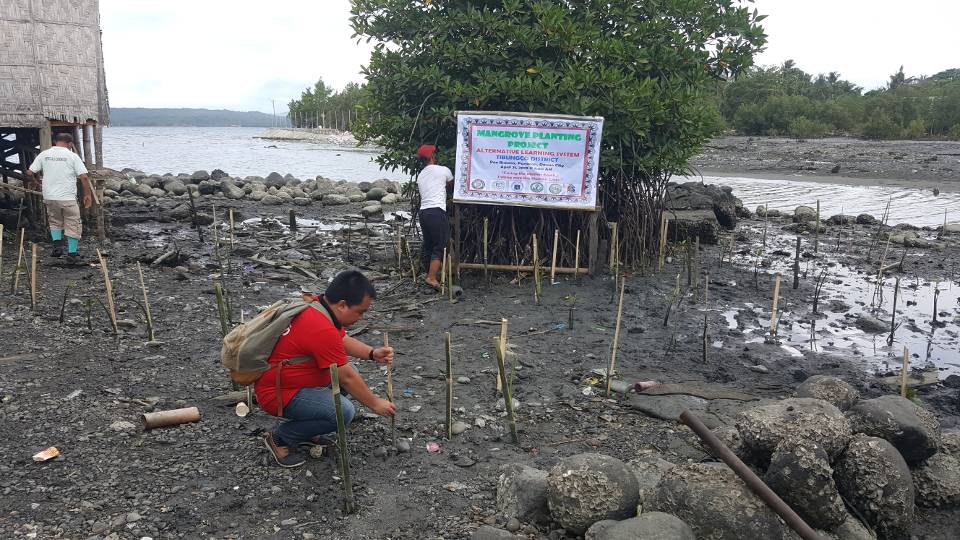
528	160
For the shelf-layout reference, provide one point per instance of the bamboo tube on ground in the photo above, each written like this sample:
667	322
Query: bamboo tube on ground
904	372
503	346
393	419
553	262
16	271
342	443
33	276
507	393
108	287
773	311
449	356
616	339
170	418
146	304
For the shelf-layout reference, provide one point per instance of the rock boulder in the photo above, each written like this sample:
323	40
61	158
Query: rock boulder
586	488
762	428
800	474
648	526
830	389
872	475
913	430
522	493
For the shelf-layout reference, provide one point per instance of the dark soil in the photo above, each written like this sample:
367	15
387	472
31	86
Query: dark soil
212	478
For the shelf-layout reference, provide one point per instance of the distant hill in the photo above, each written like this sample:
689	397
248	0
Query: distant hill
190	117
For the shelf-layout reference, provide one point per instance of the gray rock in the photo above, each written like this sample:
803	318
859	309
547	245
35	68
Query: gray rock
715	503
694	223
208	187
302	201
390	198
123	425
274	179
364	186
335	199
199	176
271	200
803	214
113	183
459	427
230	190
850	529
936	481
762	428
586	488
522	493
873	477
372	211
830	389
666	407
595	530
158	193
218	174
257	195
871	324
375	194
800	474
696	196
951	228
912	430
142	190
487	532
648	526
866	219
763	212
649	470
385	185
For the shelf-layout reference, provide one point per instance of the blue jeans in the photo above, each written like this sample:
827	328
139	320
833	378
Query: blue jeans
311	412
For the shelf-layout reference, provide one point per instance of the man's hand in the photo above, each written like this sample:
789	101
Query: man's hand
383	355
384	408
87	201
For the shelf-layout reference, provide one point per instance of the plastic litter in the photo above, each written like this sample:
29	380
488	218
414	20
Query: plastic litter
433	447
46	454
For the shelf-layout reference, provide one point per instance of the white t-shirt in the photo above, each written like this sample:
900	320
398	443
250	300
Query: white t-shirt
60	168
432	183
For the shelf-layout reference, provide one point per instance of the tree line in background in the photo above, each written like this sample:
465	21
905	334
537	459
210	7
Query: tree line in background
786	101
322	106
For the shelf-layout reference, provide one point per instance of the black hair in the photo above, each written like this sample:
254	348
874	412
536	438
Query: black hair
422	162
63	137
350	285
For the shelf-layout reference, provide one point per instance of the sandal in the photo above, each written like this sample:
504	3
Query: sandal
319	440
288	460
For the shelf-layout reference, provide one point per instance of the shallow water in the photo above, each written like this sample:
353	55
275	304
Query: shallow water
235	150
918	207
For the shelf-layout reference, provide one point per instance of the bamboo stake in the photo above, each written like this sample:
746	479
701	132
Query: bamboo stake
108	287
413	270
450	277
447	350
796	267
221	309
893	314
816	233
776	302
1	251
503	346
904	372
16	271
616	338
613	245
507	393
146	304
393	419
664	223
63	304
705	338
232	241
576	259
536	271
936	294
553	263
342	443
443	273
33	276
486	273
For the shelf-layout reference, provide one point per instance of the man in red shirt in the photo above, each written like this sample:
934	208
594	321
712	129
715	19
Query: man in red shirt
314	341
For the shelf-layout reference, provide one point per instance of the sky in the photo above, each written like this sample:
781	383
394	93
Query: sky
246	55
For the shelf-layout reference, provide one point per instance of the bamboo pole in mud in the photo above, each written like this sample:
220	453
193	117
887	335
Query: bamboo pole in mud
393	419
507	391
146	304
503	345
63	303
936	294
33	276
816	232
576	259
443	273
536	271
221	309
663	241
706	289
893	313
614	240
904	371
796	267
108	288
413	269
553	262
15	284
449	357
1	251
292	221
450	277
486	247
232	228
776	302
616	338
705	337
342	443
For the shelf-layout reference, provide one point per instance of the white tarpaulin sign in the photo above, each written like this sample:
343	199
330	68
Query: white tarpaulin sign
528	160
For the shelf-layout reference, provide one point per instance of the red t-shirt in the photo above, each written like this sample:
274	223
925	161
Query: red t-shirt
311	333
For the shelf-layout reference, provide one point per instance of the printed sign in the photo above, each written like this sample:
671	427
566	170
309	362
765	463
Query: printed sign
528	160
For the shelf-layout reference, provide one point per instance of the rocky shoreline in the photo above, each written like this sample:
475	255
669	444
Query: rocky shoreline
809	408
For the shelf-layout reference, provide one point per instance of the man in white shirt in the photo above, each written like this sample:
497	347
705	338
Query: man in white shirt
60	167
432	183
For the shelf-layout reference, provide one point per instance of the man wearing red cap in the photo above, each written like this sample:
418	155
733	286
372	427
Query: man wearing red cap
432	183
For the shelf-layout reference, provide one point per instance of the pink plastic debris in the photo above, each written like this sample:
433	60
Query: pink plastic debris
433	447
640	386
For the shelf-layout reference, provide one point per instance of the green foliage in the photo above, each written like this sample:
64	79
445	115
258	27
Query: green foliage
954	133
321	104
649	68
771	100
802	128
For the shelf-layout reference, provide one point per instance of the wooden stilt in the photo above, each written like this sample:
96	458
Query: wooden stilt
616	339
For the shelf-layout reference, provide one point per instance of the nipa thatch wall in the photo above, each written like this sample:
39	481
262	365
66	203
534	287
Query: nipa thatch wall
51	63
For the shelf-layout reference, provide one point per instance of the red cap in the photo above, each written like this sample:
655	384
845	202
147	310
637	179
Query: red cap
426	150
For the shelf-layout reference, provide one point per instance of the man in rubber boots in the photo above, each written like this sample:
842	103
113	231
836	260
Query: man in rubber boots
432	183
316	340
60	168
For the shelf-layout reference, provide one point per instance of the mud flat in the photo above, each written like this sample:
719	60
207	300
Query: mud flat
77	386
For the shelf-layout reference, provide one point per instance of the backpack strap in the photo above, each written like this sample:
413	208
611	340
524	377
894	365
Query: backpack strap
322	308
